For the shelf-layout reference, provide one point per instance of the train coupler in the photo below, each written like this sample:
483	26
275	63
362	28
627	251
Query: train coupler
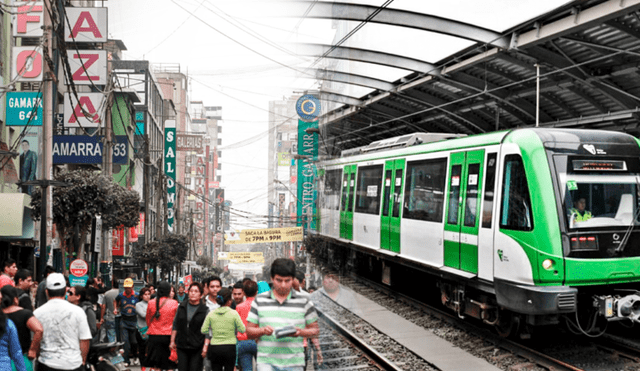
616	307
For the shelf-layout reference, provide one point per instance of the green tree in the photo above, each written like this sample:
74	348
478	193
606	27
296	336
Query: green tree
88	194
166	253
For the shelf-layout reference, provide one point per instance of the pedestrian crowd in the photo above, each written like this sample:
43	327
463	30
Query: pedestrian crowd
203	326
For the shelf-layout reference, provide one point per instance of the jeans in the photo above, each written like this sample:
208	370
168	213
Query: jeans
128	336
265	367
247	351
110	327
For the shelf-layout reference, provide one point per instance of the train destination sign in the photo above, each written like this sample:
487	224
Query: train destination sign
248	236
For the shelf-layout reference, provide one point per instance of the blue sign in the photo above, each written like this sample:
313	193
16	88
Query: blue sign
139	123
24	108
82	149
308	108
78	281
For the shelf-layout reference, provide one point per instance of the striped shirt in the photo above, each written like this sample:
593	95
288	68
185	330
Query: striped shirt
297	311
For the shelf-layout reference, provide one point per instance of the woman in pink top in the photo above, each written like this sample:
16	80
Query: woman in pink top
160	314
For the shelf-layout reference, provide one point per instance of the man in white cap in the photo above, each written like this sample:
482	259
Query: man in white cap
66	337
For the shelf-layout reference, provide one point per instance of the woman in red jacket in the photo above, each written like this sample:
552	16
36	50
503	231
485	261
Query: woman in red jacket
160	314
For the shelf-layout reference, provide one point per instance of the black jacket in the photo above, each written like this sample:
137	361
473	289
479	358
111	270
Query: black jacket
189	335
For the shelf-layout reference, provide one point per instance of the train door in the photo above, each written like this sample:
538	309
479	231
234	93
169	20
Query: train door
391	205
463	206
346	207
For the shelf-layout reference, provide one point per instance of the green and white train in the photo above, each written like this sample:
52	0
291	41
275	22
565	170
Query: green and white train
489	219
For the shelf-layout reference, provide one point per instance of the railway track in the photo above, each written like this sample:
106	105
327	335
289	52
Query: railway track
348	343
342	349
558	350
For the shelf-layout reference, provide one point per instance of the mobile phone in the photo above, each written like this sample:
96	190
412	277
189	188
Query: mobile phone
285	331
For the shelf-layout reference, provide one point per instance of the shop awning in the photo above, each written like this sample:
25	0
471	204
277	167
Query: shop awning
15	218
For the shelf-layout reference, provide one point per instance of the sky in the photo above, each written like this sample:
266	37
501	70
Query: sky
242	54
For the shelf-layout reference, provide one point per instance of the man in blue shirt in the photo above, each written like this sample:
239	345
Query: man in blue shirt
125	303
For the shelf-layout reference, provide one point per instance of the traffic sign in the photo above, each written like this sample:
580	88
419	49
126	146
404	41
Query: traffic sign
78	268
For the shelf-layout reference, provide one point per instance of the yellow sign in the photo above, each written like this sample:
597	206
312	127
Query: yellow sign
241	257
247	236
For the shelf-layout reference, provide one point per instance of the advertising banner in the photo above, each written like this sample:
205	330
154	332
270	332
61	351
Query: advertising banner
188	142
88	66
29	162
306	187
24	108
77	109
118	244
27	63
83	149
242	257
170	169
248	236
28	19
88	25
308	109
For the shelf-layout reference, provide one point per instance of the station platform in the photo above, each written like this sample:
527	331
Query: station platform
421	341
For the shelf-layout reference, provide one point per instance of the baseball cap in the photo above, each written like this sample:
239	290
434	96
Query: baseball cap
56	281
128	282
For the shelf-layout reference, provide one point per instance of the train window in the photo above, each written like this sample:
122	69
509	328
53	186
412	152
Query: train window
516	210
345	191
368	189
387	189
332	189
397	194
472	200
489	189
424	190
454	194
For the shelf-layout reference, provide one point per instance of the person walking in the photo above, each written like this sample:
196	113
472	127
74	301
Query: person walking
41	295
77	295
247	348
222	324
25	323
181	293
66	335
141	314
9	269
186	336
10	350
24	282
160	314
107	313
125	305
283	306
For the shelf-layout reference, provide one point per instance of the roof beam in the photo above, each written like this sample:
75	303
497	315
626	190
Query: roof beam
352	79
399	18
367	56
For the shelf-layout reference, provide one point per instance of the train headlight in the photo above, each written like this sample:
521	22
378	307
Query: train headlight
547	264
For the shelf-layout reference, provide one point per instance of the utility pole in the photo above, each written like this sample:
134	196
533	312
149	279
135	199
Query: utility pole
47	137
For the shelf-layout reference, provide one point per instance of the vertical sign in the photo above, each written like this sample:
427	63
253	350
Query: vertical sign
308	108
86	25
28	19
170	168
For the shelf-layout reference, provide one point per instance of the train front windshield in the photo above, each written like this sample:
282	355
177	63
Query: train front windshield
599	193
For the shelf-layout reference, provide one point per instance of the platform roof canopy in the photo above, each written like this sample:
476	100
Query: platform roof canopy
471	67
